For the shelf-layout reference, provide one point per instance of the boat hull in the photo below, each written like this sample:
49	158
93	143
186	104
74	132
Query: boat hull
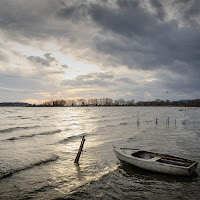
155	164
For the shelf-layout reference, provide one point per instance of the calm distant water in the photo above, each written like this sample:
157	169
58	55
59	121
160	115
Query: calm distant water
38	147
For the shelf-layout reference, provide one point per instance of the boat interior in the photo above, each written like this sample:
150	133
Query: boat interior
163	158
143	154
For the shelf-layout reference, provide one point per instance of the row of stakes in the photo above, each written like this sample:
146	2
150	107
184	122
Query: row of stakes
167	122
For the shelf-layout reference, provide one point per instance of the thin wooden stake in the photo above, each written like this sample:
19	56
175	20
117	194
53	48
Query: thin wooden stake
138	119
80	150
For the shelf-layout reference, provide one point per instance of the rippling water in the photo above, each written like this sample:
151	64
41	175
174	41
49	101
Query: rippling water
38	147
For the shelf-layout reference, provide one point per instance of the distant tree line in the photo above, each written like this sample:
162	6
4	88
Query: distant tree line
21	104
182	103
121	102
90	102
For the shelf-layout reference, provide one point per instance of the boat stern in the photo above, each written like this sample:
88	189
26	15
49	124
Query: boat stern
193	168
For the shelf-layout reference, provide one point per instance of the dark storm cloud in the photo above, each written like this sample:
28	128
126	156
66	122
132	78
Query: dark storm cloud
190	11
46	61
30	19
192	7
143	42
182	1
137	38
126	21
157	4
73	12
128	3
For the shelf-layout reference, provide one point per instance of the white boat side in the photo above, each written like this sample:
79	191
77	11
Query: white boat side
157	162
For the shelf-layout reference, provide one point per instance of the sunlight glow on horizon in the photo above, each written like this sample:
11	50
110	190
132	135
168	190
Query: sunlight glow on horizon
76	67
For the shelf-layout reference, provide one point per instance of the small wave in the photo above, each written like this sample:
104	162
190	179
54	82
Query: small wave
8	111
66	129
124	123
9	130
87	191
93	118
25	117
12	138
33	135
110	125
43	188
13	171
50	132
71	138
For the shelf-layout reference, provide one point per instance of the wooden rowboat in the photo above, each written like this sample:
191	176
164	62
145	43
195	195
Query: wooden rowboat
156	162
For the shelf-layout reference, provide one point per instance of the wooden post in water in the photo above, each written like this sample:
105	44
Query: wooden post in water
168	121
80	150
156	120
175	122
138	119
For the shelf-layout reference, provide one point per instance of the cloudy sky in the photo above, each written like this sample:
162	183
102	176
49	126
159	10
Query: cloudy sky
131	49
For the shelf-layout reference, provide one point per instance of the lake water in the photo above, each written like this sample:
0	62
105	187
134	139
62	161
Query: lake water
38	147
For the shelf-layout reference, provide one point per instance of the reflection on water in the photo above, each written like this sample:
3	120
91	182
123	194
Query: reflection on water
80	173
132	171
128	182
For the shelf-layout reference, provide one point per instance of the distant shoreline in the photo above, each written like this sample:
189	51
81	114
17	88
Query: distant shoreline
40	106
156	103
